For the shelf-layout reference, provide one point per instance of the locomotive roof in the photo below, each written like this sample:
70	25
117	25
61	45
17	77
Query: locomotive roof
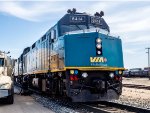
83	19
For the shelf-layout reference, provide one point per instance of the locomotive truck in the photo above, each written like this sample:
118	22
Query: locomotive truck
6	82
77	58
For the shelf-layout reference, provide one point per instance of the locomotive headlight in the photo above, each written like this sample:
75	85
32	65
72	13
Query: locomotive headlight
120	72
98	40
98	46
84	75
98	52
111	75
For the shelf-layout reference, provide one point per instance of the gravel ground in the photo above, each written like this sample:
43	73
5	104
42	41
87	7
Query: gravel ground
59	105
135	97
63	106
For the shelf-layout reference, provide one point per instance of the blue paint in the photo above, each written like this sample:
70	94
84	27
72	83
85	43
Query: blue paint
80	47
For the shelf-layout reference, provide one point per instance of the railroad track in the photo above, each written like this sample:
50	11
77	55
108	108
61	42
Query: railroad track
136	86
111	107
99	107
93	107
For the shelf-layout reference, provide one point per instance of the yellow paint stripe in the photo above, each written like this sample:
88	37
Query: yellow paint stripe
39	72
81	68
57	70
96	68
46	71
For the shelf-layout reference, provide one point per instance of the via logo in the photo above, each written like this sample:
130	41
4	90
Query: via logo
98	59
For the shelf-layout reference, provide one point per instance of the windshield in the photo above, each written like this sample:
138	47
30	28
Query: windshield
1	62
69	28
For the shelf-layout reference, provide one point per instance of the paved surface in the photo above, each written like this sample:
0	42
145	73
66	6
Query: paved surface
23	104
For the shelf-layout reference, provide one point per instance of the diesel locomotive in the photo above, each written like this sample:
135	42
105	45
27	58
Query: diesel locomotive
76	58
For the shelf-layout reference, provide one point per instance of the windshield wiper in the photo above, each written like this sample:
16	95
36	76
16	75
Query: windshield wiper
78	27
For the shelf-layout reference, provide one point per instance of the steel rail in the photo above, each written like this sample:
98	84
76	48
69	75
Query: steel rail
119	106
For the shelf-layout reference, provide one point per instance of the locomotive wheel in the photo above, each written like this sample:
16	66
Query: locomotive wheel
55	86
61	86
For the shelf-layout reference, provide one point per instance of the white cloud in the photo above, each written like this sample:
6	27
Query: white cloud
139	39
129	13
104	6
130	26
33	12
130	51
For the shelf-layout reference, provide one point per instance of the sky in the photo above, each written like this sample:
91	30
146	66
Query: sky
24	22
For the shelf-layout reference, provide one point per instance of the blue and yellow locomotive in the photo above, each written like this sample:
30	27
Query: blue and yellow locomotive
77	58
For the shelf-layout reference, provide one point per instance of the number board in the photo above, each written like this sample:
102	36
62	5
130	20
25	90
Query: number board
77	19
95	20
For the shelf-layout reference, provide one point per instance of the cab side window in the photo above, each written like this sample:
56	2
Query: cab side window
1	62
53	34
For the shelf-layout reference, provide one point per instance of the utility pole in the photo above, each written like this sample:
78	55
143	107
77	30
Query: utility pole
148	61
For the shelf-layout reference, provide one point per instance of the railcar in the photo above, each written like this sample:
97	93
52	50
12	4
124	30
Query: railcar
77	58
126	73
136	72
146	71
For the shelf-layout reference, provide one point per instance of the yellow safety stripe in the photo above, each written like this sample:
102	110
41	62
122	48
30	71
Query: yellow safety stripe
96	68
57	70
81	69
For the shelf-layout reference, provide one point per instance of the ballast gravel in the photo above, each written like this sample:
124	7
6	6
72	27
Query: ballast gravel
130	96
59	105
136	97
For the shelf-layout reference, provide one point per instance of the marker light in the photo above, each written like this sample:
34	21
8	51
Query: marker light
98	40
84	75
71	71
98	46
76	72
111	75
73	78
